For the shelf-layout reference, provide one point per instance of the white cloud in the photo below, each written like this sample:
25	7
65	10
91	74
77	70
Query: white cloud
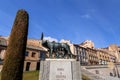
50	39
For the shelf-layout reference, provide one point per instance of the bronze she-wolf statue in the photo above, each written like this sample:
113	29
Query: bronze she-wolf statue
54	47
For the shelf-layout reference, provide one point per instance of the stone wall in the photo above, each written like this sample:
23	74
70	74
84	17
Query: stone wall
103	70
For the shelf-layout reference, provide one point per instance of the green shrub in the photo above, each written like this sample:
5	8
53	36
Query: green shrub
31	75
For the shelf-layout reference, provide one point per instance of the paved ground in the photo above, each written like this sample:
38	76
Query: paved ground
93	76
109	77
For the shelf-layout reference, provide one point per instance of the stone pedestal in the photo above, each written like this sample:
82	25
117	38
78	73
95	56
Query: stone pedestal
60	69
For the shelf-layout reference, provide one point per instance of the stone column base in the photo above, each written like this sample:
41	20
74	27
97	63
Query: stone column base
60	69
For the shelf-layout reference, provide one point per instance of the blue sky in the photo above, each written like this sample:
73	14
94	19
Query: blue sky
74	20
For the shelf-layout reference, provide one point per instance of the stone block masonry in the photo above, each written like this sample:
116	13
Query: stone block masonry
60	69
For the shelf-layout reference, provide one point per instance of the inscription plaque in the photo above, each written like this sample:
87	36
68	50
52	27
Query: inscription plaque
60	70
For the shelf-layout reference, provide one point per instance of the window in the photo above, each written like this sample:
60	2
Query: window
26	53
33	54
42	56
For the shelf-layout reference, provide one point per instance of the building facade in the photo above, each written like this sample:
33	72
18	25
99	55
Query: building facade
33	54
86	56
81	54
103	57
85	53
